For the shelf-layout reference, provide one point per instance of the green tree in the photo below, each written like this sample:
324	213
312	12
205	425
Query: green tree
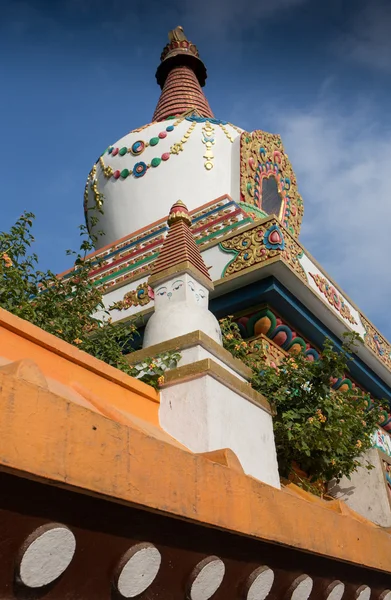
325	432
69	307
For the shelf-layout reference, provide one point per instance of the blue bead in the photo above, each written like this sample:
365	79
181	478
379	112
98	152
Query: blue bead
170	128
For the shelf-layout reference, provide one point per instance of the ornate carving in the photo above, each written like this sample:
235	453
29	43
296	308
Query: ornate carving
333	297
291	255
272	353
249	250
92	185
262	155
376	342
259	244
270	337
138	297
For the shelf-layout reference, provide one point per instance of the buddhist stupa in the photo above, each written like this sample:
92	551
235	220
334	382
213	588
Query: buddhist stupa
186	152
111	489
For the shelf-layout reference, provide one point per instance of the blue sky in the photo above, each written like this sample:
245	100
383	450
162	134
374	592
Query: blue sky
78	74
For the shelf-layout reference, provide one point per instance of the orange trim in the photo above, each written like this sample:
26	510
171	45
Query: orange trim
66	364
46	437
70	420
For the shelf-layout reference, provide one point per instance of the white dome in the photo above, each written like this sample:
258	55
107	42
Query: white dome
192	159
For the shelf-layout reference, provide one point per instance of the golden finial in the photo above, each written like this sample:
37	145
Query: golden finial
179	212
177	35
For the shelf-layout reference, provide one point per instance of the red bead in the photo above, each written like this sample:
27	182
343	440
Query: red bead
165	156
115	152
162	134
116	174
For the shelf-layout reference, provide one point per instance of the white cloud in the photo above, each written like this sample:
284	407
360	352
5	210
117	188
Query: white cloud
367	37
342	162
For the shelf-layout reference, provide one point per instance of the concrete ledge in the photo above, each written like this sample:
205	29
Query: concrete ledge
195	338
211	368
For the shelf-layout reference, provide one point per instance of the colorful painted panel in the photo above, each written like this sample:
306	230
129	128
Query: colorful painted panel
264	323
379	345
262	157
382	441
333	297
132	258
260	244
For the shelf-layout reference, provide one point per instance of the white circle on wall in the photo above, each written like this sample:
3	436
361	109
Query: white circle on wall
46	554
363	593
206	578
335	591
259	583
301	588
137	569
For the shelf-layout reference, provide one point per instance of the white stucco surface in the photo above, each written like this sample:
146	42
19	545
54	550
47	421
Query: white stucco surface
218	260
208	579
204	415
47	557
262	581
181	306
303	589
364	593
366	491
191	355
139	571
335	591
309	267
135	202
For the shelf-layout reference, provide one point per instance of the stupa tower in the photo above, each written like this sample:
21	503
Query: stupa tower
245	209
181	75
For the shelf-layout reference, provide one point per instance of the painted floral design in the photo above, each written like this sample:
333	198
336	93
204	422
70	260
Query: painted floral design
333	297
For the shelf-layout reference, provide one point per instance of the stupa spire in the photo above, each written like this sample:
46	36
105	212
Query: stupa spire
179	251
181	284
181	75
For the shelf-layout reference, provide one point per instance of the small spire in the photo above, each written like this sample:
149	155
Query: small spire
179	212
179	252
181	75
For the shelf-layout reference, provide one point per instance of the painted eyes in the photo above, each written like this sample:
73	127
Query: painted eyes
177	285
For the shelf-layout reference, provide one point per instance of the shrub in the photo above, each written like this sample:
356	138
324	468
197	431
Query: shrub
322	430
70	307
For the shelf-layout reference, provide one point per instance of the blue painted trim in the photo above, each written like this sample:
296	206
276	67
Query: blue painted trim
299	317
151	235
214	210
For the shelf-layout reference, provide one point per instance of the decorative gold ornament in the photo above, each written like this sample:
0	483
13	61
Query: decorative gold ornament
378	344
259	244
92	184
137	297
227	134
333	297
208	139
262	156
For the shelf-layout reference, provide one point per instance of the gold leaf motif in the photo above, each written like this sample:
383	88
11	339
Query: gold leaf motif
378	344
262	154
250	250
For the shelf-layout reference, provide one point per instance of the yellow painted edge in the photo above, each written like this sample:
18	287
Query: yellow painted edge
188	340
207	366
